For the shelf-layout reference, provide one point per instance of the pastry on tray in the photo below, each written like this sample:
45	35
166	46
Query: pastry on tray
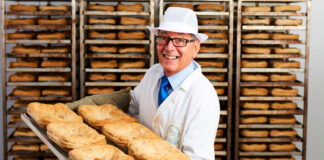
285	64
102	21
15	118
136	7
256	105
125	64
211	22
256	50
59	21
22	7
94	90
21	35
52	35
132	21
100	7
283	92
57	77
254	133
259	21
282	147
131	77
181	5
132	50
250	158
22	77
215	77
254	91
256	8
24	64
56	92
205	49
220	91
216	35
280	36
217	7
95	34
253	147
283	133
206	63
25	147
254	120
282	158
103	49
218	147
219	133
26	49
55	8
55	50
254	63
287	119
24	133
131	35
25	21
284	8
283	77
288	22
102	77
44	147
254	77
286	51
103	63
55	63
20	104
44	114
283	105
256	36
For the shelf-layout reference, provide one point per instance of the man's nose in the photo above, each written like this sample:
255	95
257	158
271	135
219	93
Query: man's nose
169	45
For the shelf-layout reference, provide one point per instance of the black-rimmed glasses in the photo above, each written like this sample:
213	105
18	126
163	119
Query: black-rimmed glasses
177	42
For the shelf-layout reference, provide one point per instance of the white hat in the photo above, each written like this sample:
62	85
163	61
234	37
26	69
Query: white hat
180	20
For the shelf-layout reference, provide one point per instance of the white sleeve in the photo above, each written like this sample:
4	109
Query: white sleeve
133	105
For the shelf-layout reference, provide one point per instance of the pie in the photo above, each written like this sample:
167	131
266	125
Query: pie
254	77
253	147
95	34
283	105
259	21
100	7
94	90
54	8
25	21
48	77
56	92
256	36
254	133
102	21
216	64
256	8
103	63
280	36
102	77
22	7
21	35
256	50
284	92
131	35
217	7
136	7
59	21
288	22
284	8
256	105
283	133
254	91
55	63
283	77
282	147
22	77
103	49
254	63
125	64
282	119
131	77
254	119
132	21
26	91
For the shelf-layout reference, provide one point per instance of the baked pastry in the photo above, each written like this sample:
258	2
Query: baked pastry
254	91
214	77
218	147
217	35
102	77
22	7
54	35
25	21
22	77
103	63
26	49
132	50
15	118
24	133
136	7
95	34
25	147
131	35
256	50
284	92
256	36
283	133
123	132
211	22
279	36
256	105
284	105
259	21
132	21
254	120
285	64
254	64
44	147
20	104
27	64
43	114
216	64
100	7
55	50
254	77
250	158
70	135
131	77
102	21
26	91
125	64
181	5
286	51
283	8
54	8
103	49
55	63
59	21
283	77
282	147
282	119
219	133
254	133
217	7
53	77
98	116
282	158
256	8
220	91
288	22
154	148
94	90
205	49
97	152
21	35
253	147
56	92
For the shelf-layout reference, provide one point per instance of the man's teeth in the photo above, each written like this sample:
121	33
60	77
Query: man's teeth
169	57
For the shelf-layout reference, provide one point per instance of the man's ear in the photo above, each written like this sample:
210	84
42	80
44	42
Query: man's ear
196	48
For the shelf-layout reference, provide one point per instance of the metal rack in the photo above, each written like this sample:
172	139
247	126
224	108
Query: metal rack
8	56
301	83
86	42
227	14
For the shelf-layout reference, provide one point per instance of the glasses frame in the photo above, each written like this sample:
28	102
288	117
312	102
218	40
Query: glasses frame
187	40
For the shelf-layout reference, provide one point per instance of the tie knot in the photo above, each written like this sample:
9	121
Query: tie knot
164	81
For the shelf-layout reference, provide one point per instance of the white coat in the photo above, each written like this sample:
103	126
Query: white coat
187	118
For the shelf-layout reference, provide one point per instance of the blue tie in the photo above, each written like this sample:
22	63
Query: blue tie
163	92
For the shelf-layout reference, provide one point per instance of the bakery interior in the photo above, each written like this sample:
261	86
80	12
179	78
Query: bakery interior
88	47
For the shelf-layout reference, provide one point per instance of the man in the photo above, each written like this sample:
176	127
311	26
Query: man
174	99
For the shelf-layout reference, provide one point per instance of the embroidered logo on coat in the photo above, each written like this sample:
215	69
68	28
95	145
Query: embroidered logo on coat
173	134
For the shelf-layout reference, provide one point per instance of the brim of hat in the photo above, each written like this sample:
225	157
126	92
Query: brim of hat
202	37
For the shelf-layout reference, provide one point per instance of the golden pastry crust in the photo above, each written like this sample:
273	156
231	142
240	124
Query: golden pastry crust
282	119
284	105
181	5
100	7
256	50
55	35
59	21
22	7
211	22
98	116
283	133
254	64
154	148
217	7
254	133
22	77
213	77
259	21
132	21
282	147
44	147
20	35
253	147
254	77
73	135
288	22
284	92
218	147
205	49
136	7
55	63
284	8
15	118
256	105
104	49
94	90
279	36
26	91
54	8
19	104
95	34
125	64
53	77
253	120
97	152
254	158
131	77
103	63
24	133
283	77
216	64
220	91
102	77
256	8
101	21
25	21
256	36
285	64
132	50
254	91
217	35
26	49
219	133
282	158
286	51
55	50
43	114
131	35
56	92
23	64
20	147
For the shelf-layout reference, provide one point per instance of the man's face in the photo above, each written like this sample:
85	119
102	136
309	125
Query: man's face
174	59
